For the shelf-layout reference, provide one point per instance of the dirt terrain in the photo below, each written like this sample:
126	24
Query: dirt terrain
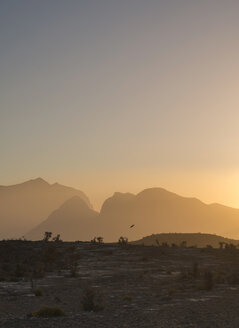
108	285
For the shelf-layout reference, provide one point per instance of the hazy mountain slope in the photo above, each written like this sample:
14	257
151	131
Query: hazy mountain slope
74	220
25	205
157	210
152	211
192	239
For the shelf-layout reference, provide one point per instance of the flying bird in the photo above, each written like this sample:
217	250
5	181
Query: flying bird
132	226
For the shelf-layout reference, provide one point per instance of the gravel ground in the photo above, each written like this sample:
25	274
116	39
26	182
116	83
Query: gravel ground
137	287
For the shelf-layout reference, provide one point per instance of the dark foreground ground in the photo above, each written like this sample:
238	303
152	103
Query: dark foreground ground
133	286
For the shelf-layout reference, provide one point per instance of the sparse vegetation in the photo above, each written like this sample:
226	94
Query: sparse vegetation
208	280
91	300
49	311
57	238
47	236
168	273
127	298
32	260
97	240
100	240
195	270
172	291
38	292
183	244
123	241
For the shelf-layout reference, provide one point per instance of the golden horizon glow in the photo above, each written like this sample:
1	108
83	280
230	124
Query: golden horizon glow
121	96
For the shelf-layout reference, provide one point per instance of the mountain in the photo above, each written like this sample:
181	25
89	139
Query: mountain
74	220
157	210
192	239
154	210
25	205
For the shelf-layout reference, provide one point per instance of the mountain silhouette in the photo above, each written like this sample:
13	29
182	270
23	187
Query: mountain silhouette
25	205
74	220
157	210
152	211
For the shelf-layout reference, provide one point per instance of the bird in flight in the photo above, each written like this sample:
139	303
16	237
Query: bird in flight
132	226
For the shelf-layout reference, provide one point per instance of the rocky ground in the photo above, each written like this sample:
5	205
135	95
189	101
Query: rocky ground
129	286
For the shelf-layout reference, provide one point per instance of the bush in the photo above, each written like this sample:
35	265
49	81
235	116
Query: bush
49	311
38	292
91	301
195	270
144	259
183	244
14	279
209	247
208	280
127	298
47	236
172	291
233	278
123	241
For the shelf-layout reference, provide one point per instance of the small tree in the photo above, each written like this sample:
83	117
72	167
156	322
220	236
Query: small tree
183	244
91	300
123	241
221	244
209	246
230	246
47	236
57	238
195	270
208	280
93	241
100	240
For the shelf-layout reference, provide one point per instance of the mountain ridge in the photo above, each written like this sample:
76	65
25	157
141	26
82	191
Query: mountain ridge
67	221
24	205
192	240
152	210
158	210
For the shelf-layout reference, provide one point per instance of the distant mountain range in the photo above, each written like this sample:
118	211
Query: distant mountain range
192	239
73	220
157	210
35	206
25	205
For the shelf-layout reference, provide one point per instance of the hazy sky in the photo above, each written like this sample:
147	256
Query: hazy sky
109	95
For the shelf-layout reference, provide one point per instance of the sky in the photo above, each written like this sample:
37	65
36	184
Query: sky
107	95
